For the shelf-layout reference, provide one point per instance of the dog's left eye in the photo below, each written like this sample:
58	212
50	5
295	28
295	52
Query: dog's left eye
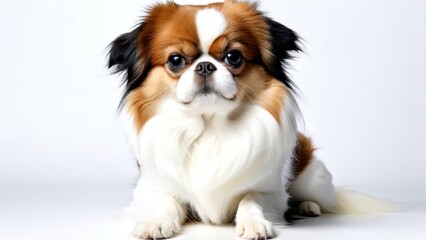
234	58
176	62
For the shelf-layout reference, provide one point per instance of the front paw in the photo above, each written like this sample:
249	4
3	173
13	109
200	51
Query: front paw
156	229
255	229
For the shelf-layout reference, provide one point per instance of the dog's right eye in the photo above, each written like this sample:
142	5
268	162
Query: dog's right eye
176	62
234	58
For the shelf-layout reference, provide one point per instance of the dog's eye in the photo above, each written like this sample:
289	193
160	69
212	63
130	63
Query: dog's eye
234	58
176	62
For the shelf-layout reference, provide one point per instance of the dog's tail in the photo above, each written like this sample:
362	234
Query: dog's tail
352	202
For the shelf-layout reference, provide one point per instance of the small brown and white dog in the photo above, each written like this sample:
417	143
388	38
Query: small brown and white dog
213	121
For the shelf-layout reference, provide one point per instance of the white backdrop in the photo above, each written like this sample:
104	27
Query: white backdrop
362	78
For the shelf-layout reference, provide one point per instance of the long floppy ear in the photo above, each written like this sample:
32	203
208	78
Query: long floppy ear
282	40
125	56
123	51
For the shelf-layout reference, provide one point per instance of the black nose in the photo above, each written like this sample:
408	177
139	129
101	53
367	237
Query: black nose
205	68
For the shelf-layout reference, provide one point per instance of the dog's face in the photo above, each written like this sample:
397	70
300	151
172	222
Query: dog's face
208	59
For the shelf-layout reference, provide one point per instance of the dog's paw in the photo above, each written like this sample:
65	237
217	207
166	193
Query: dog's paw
156	229
309	209
255	229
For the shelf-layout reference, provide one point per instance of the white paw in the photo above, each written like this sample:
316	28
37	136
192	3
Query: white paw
255	229
309	209
156	229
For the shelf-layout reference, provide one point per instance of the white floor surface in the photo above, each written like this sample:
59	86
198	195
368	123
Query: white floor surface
51	211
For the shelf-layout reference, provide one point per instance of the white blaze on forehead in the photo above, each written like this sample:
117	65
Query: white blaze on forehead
210	25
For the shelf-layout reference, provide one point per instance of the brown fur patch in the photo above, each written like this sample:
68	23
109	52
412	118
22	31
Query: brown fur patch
248	32
143	101
181	33
255	86
245	18
272	99
159	38
246	27
303	153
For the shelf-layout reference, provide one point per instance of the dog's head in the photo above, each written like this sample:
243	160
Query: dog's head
208	59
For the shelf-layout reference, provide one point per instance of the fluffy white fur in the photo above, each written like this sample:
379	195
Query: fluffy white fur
315	184
210	25
217	166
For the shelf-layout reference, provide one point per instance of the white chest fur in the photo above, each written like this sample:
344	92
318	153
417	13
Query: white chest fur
210	162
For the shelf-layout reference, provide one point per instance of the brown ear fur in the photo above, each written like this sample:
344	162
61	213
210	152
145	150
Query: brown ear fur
130	52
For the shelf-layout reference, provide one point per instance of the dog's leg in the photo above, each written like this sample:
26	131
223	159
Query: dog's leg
314	188
313	183
155	215
252	214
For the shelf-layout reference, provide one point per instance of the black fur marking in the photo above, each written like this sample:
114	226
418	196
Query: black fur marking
283	40
123	56
292	213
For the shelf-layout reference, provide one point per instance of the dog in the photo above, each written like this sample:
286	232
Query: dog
213	120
